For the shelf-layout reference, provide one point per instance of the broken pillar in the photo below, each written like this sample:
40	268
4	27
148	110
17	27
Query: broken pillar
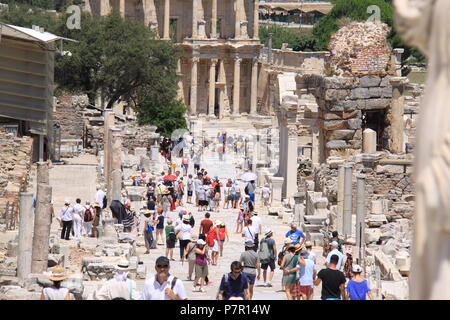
348	200
396	142
299	207
369	141
116	185
26	223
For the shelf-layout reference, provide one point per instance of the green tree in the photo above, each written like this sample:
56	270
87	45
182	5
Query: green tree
44	4
24	15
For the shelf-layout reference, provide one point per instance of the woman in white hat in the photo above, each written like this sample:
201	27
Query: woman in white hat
184	234
56	292
120	287
201	264
358	287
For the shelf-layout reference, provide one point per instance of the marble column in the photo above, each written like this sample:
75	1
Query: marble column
291	168
360	217
222	92
26	223
213	19
212	87
122	8
254	88
236	85
397	110
348	200
193	100
180	91
256	19
150	18
194	18
166	35
340	201
105	8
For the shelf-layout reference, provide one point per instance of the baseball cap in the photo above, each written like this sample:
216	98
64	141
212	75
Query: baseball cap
334	244
201	242
356	268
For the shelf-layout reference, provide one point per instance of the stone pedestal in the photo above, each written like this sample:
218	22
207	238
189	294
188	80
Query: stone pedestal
116	185
276	184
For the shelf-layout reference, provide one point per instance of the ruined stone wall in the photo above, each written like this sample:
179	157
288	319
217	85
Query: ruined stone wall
71	120
15	167
139	137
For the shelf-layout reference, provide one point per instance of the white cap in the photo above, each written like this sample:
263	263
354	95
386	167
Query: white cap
201	242
334	244
356	268
66	201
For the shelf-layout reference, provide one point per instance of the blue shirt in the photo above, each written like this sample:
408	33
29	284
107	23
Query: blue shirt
306	273
357	290
338	253
295	236
234	288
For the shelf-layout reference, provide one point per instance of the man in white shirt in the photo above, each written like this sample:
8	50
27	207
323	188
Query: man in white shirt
163	286
256	222
265	194
66	218
249	232
99	195
335	251
198	184
120	286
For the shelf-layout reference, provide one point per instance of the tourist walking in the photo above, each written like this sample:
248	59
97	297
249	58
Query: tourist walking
358	287
234	284
214	235
128	221
55	291
265	195
198	186
185	164
250	190
227	196
306	274
201	265
120	287
180	192
159	221
66	218
148	231
162	285
96	219
100	197
223	234
205	225
267	256
190	189
236	194
184	234
312	255
171	239
250	261
240	221
333	281
335	251
282	254
288	265
77	219
296	235
88	217
190	256
202	200
249	233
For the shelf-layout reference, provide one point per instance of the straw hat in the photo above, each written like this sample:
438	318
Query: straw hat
123	265
268	231
186	218
218	223
58	274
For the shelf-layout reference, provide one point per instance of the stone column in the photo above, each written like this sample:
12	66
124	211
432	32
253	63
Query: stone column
194	19
222	91
108	122
116	185
369	141
26	223
348	200
237	14
122	8
105	8
256	19
237	85
42	220
340	201
397	110
212	87
360	217
180	92
213	19
166	34
291	168
299	207
193	100
254	87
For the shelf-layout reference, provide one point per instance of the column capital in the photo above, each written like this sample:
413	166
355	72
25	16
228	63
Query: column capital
398	81
237	59
214	61
195	59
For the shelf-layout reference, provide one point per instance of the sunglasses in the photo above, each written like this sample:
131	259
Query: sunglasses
236	270
162	266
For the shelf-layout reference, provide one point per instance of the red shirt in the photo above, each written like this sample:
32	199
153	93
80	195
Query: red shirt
206	225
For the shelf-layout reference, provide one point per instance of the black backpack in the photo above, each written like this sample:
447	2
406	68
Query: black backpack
246	189
192	221
172	236
88	215
280	257
105	202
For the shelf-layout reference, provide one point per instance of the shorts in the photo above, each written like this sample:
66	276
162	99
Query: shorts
251	277
216	246
197	167
270	264
234	198
305	289
230	198
185	166
170	244
252	197
201	271
203	202
189	193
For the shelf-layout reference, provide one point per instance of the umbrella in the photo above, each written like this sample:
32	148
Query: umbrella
170	177
248	176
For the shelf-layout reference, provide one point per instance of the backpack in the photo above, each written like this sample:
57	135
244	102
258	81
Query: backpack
280	257
105	202
192	221
210	238
246	189
264	252
88	215
225	276
172	236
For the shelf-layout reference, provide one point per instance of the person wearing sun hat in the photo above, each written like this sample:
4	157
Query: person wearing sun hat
56	292
271	245
120	287
358	287
201	264
184	234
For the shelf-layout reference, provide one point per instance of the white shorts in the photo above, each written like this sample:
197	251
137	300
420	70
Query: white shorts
216	246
